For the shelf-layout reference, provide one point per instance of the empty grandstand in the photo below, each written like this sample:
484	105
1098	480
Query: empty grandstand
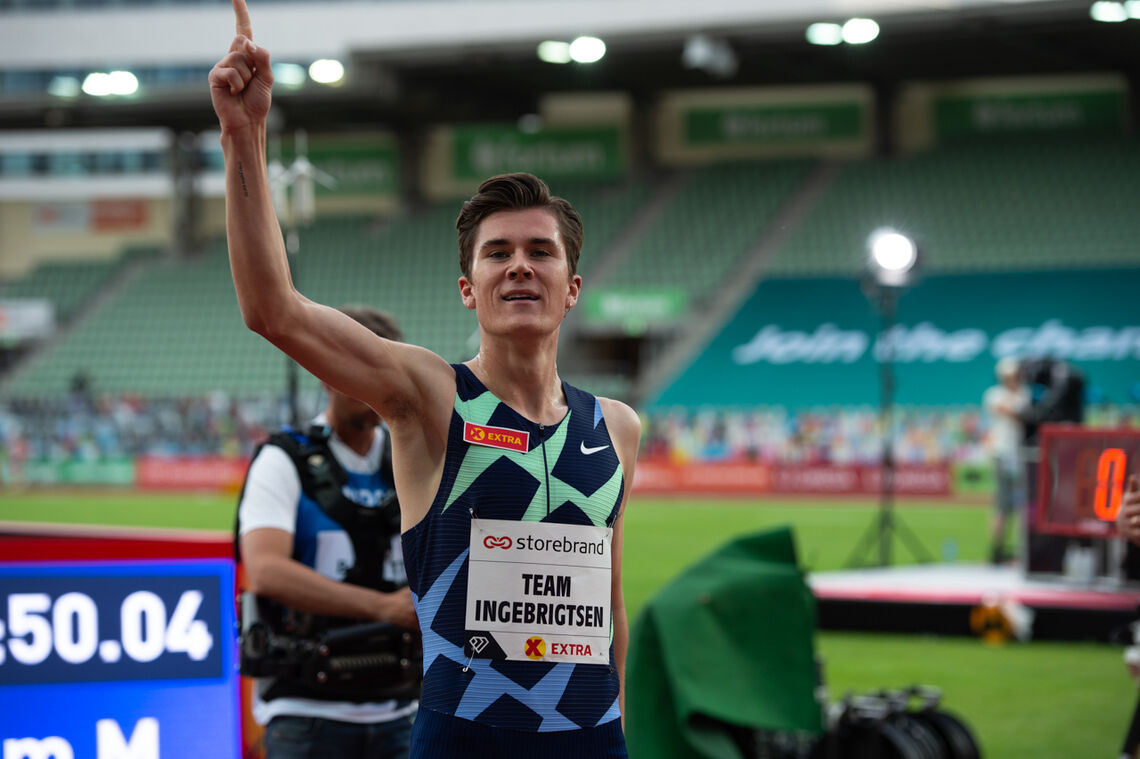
739	213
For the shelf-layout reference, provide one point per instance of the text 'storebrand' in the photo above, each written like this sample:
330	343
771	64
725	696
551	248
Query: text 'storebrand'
496	437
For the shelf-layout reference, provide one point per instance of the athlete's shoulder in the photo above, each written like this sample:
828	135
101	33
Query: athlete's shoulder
621	420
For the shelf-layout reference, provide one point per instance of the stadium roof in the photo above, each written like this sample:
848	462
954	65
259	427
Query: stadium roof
413	62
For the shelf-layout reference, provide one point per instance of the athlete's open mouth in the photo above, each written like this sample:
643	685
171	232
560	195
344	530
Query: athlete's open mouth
520	296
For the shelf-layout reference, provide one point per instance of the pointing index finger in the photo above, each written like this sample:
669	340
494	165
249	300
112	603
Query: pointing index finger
241	15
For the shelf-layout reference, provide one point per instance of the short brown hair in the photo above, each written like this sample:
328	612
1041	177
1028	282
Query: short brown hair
380	322
516	192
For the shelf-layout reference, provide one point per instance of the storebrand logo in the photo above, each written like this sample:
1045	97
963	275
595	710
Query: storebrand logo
496	437
535	648
492	542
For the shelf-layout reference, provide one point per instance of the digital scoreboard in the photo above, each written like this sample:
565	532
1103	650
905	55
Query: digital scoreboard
1081	479
118	660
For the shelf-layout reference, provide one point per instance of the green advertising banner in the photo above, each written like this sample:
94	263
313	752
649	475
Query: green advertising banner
115	471
586	152
774	124
701	126
635	310
817	342
1035	112
360	164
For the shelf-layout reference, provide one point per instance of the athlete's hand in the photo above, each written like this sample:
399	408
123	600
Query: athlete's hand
1128	520
242	81
399	610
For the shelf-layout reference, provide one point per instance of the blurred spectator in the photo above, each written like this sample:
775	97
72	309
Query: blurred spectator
1005	403
101	427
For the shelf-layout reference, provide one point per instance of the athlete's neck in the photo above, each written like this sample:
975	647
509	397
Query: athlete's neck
528	382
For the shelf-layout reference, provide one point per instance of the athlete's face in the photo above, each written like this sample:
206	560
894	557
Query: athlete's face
520	280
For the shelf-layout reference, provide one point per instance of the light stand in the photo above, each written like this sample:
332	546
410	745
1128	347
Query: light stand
891	268
299	177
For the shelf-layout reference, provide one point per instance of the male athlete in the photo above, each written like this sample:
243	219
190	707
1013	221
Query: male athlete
512	483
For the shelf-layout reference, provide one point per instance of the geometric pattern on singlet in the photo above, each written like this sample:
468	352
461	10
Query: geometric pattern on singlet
570	474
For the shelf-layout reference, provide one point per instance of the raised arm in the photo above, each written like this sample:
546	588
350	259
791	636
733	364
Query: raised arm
391	377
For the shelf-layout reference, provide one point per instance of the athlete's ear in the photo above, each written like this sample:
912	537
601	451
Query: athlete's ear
467	292
572	294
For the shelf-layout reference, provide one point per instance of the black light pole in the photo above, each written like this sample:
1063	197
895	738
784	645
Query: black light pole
299	178
887	301
892	266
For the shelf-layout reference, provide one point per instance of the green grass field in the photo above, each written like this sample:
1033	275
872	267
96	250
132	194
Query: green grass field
1042	700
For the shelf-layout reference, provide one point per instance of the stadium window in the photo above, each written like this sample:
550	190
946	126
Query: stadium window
16	164
212	160
132	162
64	164
153	161
109	162
21	82
40	164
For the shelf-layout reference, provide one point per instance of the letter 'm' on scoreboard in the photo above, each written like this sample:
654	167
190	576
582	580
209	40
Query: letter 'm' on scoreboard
110	743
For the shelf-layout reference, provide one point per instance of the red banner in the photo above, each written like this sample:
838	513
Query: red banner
42	541
119	215
665	478
662	477
190	473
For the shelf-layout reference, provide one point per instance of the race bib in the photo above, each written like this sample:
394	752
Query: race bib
539	592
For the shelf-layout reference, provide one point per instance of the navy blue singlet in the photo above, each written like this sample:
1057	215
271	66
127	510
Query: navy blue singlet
569	473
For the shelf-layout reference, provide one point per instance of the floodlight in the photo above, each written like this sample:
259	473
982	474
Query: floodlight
290	75
892	263
711	55
326	71
587	50
824	34
63	87
554	51
100	84
1109	12
892	257
859	31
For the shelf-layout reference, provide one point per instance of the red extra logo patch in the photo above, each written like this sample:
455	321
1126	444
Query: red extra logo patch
496	437
535	647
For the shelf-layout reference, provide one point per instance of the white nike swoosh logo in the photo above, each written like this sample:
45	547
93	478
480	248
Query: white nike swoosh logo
587	451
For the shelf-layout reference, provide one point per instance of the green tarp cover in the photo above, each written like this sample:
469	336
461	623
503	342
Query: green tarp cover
729	642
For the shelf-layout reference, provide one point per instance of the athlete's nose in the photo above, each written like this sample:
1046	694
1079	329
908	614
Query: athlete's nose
520	268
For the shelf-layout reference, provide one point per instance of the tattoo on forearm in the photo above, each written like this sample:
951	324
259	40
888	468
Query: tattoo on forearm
241	175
